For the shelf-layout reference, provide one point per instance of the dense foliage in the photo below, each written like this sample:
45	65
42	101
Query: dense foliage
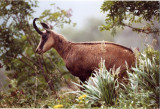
102	83
126	13
143	90
30	74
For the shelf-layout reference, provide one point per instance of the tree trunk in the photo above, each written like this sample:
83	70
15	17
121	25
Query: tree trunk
49	82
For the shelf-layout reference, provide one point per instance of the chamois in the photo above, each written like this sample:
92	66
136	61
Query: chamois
81	59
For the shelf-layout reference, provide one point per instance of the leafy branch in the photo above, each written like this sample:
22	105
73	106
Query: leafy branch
144	30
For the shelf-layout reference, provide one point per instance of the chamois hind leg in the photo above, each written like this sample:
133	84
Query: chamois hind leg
123	77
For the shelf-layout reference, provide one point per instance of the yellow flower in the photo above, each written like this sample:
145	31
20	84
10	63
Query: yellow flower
58	106
82	97
80	101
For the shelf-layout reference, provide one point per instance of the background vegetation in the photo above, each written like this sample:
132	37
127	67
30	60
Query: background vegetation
35	81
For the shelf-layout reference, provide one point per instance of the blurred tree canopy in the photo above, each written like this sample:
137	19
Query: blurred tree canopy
18	41
126	13
89	32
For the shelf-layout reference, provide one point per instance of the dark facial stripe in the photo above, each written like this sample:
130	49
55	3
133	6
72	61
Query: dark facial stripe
44	39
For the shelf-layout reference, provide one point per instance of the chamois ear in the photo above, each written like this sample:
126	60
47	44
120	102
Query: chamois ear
46	26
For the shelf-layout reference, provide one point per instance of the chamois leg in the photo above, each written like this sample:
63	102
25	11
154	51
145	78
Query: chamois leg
123	77
82	81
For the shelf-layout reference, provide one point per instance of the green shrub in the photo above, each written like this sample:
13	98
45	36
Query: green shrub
101	87
143	89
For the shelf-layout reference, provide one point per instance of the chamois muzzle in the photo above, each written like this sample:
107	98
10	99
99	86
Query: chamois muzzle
35	27
39	51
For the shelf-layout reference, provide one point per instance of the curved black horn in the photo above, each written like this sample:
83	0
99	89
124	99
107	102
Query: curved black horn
36	28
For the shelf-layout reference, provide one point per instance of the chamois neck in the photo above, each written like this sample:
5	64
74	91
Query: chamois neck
61	45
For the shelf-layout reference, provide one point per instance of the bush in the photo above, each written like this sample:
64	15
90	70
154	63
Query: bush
143	89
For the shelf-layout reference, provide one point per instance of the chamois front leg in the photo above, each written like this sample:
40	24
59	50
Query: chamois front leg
82	81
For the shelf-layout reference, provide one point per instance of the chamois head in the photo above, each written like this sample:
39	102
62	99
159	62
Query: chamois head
46	41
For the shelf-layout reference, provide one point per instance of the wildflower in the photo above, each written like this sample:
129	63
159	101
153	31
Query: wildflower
81	101
58	106
82	97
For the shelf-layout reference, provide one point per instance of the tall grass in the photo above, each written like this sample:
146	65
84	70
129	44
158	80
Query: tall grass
143	89
102	86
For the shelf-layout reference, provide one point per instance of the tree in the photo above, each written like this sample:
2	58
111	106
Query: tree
89	32
127	13
121	14
18	41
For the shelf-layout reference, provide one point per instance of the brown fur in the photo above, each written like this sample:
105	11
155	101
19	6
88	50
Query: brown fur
81	59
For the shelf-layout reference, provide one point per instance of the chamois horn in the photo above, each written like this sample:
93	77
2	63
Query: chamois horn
36	28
